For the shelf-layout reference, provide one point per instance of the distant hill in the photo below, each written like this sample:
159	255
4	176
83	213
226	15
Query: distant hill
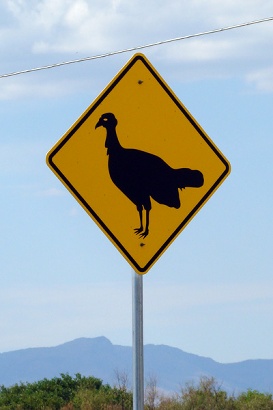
98	357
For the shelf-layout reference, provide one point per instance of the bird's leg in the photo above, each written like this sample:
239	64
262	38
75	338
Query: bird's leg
140	229
147	206
146	232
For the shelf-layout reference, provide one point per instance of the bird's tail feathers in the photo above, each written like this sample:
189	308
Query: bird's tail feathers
187	177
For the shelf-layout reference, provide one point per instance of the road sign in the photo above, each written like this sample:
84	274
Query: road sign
139	163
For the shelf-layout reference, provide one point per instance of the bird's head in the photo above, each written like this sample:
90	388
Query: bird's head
107	120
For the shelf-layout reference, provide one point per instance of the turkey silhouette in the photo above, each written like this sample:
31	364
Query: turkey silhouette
142	176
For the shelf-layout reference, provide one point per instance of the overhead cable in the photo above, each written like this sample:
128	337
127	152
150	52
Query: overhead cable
158	43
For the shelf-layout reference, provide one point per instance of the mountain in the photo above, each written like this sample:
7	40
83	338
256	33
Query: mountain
98	357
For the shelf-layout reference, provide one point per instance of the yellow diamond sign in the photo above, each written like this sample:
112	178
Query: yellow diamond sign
139	163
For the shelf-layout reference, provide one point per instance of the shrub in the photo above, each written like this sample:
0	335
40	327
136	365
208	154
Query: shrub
253	400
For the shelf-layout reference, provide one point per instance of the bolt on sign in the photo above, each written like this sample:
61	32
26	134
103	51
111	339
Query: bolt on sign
139	163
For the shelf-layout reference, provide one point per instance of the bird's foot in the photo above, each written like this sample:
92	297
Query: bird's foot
144	234
138	230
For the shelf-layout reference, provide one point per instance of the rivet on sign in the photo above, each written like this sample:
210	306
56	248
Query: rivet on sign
140	81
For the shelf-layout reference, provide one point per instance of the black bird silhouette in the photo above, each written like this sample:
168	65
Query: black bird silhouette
142	176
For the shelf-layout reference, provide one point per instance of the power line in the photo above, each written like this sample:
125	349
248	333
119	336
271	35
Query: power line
158	43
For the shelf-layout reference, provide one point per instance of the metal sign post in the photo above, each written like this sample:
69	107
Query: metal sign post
138	144
138	360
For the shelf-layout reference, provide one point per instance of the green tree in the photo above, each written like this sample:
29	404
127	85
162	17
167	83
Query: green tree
45	394
254	400
89	393
206	396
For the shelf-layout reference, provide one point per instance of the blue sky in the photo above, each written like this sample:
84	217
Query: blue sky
211	292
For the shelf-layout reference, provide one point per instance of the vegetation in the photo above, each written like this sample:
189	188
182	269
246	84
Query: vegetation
208	395
64	393
89	393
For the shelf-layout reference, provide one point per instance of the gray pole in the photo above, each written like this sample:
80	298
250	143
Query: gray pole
138	376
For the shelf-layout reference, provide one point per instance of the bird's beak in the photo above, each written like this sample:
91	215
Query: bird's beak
99	123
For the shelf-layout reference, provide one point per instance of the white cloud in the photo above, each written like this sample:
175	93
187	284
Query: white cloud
184	297
76	14
51	192
73	212
49	31
22	87
66	312
200	51
262	79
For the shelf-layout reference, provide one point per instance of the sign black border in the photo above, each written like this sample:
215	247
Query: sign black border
92	108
